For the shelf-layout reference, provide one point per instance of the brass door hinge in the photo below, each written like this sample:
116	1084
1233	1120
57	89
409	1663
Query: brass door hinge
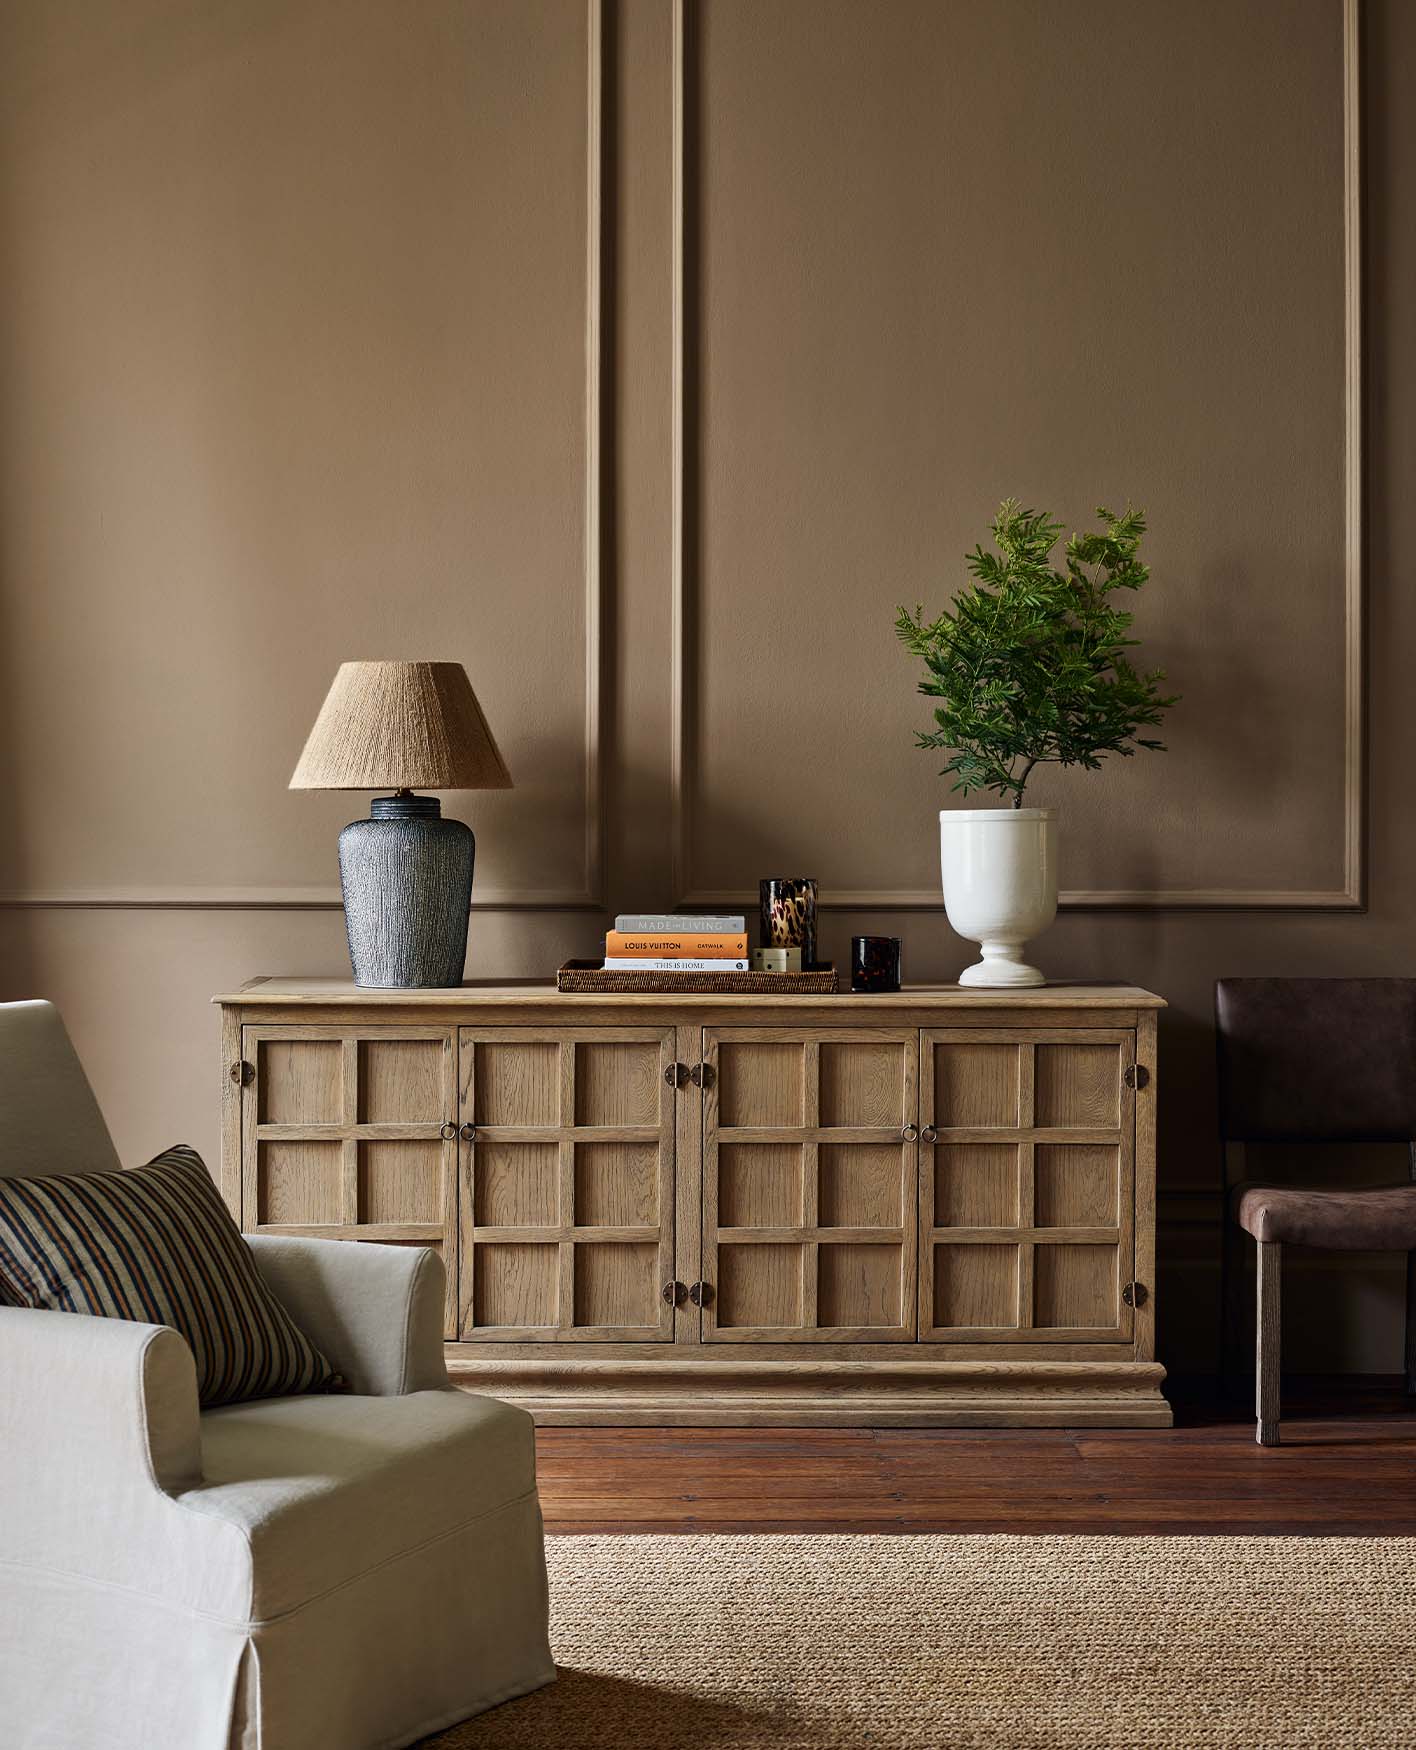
1135	1075
243	1073
1135	1294
674	1293
701	1294
701	1075
676	1074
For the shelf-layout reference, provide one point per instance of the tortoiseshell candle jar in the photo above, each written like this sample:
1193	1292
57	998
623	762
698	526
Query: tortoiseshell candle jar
789	914
875	963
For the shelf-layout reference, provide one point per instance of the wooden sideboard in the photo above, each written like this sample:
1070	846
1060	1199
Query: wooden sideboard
930	1208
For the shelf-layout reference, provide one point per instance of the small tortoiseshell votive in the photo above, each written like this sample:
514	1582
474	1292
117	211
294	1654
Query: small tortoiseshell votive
788	905
875	963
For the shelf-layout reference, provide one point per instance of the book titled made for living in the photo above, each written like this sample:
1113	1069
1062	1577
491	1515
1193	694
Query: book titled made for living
669	923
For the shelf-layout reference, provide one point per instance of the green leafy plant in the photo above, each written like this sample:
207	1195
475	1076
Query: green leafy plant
1031	665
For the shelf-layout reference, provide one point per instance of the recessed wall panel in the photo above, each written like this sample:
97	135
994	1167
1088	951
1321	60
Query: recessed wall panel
293	336
924	278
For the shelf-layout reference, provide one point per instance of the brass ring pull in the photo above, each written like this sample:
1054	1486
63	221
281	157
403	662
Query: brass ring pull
448	1131
910	1133
468	1133
929	1134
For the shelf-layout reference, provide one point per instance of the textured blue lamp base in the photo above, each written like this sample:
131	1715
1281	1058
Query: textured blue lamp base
407	879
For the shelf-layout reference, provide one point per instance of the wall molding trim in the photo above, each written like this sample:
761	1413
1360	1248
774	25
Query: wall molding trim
314	898
680	368
865	899
1351	895
590	896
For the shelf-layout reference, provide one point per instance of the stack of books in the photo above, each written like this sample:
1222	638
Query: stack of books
660	942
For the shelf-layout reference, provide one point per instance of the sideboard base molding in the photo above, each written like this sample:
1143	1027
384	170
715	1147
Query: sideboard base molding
820	1394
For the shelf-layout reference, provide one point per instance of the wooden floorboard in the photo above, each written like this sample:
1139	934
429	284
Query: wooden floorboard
1347	1466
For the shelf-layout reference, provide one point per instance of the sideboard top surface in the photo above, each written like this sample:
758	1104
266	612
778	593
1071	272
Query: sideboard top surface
541	993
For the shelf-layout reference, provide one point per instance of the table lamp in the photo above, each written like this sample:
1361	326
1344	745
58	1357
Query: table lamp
406	873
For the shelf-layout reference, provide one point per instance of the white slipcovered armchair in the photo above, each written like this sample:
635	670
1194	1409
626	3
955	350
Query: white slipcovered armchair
306	1573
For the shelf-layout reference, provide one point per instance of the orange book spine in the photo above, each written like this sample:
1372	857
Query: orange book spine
700	947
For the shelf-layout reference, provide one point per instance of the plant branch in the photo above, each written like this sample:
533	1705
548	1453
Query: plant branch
1030	666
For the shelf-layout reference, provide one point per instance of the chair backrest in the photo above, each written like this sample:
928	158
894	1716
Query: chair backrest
49	1119
1316	1059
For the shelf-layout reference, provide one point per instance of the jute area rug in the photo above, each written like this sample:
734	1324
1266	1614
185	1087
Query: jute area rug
924	1643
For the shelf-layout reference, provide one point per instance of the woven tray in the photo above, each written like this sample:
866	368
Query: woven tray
588	976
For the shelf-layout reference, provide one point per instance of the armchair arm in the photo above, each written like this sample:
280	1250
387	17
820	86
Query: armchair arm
99	1426
375	1311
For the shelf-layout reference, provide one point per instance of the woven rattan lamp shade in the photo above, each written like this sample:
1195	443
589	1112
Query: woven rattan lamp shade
402	726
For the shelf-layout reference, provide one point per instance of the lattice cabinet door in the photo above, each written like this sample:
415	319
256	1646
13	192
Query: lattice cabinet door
567	1168
809	1176
352	1136
1026	1206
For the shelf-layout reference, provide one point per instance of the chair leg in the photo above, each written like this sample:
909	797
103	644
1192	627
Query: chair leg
1268	1348
1411	1324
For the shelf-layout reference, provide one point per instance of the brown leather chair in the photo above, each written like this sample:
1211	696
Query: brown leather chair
1312	1060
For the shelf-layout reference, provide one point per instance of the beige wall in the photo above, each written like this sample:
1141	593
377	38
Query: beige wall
299	361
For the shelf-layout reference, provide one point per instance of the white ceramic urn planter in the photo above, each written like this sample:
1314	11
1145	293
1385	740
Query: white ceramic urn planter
999	867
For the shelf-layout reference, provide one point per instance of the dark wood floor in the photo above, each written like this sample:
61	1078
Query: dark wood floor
1347	1466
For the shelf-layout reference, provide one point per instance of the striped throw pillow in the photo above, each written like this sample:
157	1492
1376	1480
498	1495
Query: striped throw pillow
158	1245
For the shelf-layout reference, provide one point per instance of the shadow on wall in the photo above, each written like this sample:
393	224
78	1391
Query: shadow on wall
17	954
1232	701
